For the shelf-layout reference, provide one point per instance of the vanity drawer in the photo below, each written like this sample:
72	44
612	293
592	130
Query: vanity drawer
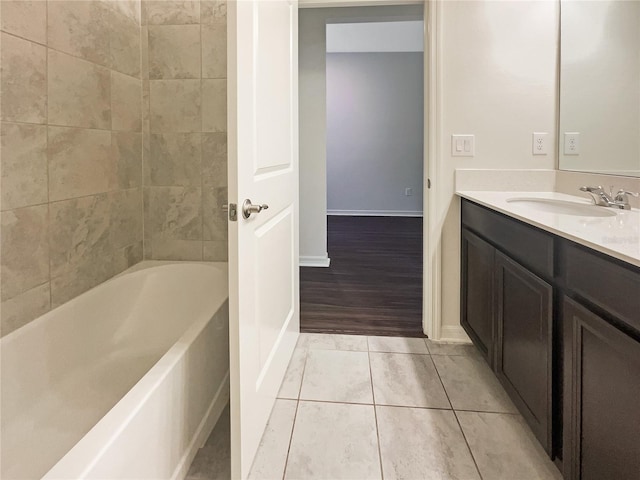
530	246
603	282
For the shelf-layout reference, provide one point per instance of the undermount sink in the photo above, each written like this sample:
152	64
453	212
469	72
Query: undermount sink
562	207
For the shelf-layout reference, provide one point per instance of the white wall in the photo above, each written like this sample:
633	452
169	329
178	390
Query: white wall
375	132
600	85
312	109
499	71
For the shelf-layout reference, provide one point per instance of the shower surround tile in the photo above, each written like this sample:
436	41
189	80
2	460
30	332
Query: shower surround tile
24	81
80	28
215	251
173	223
80	162
174	51
80	232
126	221
87	235
184	125
175	106
25	18
214	159
126	103
124	44
213	12
171	12
131	9
23	150
174	160
79	92
24	250
214	99
214	217
214	51
126	149
23	308
71	200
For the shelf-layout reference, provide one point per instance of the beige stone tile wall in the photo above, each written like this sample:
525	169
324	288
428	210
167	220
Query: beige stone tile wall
184	65
71	150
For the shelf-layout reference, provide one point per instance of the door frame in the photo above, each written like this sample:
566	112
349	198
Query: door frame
432	252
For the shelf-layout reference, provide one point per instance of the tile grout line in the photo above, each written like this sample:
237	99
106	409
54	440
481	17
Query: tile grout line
295	415
375	410
46	127
202	202
455	415
143	69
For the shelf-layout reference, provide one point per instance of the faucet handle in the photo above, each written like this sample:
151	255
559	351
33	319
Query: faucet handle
622	198
623	193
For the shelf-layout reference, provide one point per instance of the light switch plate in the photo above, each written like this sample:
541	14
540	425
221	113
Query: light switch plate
571	143
463	145
540	143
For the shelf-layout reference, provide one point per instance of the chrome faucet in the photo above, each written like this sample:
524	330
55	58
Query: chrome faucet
600	197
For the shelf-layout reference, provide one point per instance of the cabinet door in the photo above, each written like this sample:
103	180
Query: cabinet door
601	398
477	292
523	343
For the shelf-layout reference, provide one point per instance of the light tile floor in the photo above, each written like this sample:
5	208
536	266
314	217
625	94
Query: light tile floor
354	407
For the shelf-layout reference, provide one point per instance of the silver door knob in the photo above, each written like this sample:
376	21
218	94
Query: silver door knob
248	208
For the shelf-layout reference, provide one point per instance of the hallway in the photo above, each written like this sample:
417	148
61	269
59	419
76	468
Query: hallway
374	283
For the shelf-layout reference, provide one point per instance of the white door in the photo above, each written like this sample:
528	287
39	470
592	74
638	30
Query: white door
263	249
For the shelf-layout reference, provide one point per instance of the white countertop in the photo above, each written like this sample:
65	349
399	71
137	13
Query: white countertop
618	236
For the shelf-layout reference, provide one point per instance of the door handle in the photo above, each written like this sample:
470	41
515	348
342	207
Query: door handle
248	208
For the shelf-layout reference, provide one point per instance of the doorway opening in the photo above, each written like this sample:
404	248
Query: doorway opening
371	282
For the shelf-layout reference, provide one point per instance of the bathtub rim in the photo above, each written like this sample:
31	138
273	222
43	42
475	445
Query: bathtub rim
138	267
101	436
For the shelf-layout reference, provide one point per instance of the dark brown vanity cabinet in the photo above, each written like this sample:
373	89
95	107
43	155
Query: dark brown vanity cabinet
601	399
523	343
560	325
477	287
507	308
601	347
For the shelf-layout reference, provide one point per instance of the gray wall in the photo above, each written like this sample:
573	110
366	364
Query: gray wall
374	132
312	109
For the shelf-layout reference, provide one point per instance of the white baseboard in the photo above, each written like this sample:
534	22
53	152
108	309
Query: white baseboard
453	334
374	213
315	261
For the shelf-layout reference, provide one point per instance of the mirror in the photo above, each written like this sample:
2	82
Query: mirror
600	87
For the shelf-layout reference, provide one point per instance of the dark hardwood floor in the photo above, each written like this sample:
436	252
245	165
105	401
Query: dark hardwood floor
374	283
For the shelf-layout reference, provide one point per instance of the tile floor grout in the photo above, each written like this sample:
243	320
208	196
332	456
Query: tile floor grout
292	446
295	415
466	441
375	404
375	412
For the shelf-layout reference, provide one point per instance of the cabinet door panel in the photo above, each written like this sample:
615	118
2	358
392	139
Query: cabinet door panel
524	315
601	398
477	292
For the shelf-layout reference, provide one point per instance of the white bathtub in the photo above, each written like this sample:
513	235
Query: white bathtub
125	381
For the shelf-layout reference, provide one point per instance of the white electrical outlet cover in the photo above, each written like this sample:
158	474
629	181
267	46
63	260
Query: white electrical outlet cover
539	144
571	143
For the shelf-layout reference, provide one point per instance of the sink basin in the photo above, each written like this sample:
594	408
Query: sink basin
563	207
